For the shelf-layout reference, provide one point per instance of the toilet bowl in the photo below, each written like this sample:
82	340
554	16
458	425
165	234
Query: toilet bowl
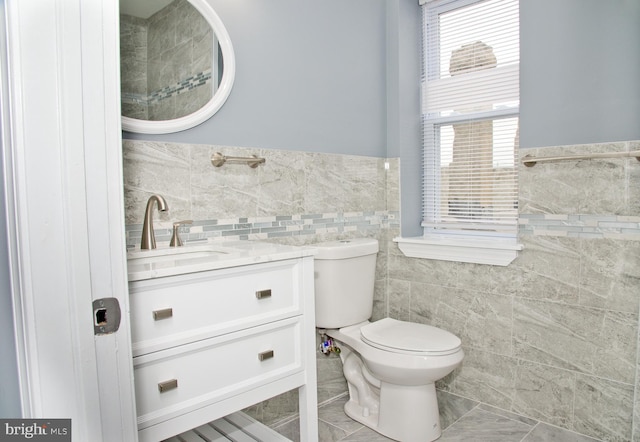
390	366
399	363
399	379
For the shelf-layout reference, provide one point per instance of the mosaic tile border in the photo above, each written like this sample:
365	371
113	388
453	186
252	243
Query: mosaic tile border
270	227
581	226
178	88
264	228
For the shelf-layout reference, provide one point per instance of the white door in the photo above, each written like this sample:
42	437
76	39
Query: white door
62	152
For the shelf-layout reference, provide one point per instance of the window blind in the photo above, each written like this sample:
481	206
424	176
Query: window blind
470	102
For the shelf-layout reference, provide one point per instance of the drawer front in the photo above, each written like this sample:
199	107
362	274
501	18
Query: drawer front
173	311
179	380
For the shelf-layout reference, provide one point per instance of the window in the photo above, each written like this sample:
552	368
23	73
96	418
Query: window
470	105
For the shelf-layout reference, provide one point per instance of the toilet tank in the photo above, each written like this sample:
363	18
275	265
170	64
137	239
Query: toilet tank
345	273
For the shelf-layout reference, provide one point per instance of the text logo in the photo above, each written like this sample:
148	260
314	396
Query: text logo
40	430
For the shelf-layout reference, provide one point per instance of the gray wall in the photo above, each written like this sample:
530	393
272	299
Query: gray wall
342	77
580	71
315	76
9	392
404	138
310	77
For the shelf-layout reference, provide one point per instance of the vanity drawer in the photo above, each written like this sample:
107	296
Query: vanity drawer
176	381
172	311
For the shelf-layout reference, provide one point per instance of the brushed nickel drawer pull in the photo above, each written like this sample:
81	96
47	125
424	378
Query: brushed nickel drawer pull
167	385
162	314
261	294
265	355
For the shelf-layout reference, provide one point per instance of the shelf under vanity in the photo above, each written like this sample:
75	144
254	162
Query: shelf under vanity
236	427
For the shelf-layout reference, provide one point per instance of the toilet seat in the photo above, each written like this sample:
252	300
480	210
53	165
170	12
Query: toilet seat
409	338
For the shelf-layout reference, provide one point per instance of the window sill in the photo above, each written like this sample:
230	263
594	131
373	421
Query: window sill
492	251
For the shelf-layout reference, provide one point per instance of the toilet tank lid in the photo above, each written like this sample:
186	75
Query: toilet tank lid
343	249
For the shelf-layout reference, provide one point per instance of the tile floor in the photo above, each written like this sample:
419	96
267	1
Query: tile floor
463	421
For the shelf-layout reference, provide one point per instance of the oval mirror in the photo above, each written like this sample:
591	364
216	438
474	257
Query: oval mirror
177	64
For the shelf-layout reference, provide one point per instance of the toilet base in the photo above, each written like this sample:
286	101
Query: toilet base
392	393
407	414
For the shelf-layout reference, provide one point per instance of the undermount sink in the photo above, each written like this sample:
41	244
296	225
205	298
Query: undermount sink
173	254
199	257
165	260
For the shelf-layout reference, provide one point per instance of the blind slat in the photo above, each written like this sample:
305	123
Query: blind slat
489	87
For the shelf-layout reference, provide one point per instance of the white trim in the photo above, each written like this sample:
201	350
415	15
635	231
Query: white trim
472	250
105	212
218	99
64	203
15	176
442	4
15	280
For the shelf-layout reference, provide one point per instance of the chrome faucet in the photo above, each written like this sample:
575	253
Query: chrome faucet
148	237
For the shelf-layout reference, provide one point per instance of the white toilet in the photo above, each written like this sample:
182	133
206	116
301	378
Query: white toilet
391	366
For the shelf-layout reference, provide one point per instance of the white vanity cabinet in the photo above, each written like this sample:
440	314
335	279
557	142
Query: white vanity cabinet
212	342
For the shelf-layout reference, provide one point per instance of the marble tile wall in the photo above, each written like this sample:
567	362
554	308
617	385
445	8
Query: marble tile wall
133	66
554	335
294	198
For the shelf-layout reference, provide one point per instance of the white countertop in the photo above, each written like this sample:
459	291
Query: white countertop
202	256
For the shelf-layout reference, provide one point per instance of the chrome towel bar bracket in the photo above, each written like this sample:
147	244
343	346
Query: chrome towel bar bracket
530	161
217	159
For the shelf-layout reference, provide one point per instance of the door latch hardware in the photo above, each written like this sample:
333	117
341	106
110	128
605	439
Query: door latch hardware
106	316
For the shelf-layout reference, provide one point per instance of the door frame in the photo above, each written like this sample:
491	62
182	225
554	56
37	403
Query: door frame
65	213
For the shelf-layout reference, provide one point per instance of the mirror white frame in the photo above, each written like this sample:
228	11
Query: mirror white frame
219	97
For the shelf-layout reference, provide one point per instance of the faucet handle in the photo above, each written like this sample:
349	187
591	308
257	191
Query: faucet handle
175	237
